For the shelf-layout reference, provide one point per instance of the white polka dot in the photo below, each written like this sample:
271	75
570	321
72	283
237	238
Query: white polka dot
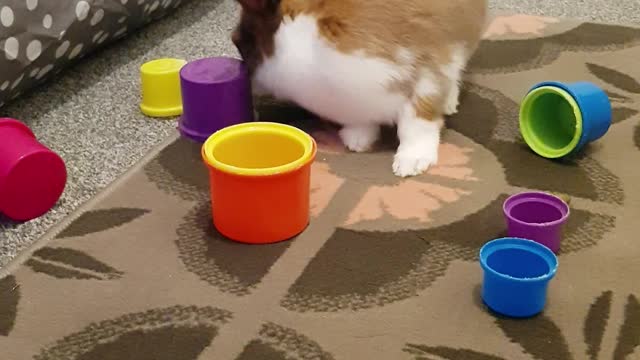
75	51
124	2
120	32
140	2
47	21
103	38
82	10
97	17
122	19
34	49
45	70
17	82
97	36
6	16
62	49
34	72
155	5
146	8
32	4
1	104
11	48
4	85
62	34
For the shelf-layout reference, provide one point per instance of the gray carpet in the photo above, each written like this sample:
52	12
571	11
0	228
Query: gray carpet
616	11
89	114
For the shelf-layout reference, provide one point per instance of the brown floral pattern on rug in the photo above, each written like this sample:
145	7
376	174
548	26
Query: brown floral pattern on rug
400	265
387	267
623	104
624	97
490	118
411	202
175	333
100	220
64	263
9	297
543	339
230	266
279	343
387	198
68	263
184	174
507	56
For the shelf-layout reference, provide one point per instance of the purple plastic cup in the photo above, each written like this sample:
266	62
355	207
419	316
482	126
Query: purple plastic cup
536	216
216	93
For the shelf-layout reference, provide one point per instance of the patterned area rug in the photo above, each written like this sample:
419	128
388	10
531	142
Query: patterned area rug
388	267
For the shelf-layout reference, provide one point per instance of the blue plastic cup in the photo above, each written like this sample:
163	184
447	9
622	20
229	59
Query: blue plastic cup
516	276
559	119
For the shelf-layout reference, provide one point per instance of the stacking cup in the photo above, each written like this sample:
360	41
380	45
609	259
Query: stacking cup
558	119
216	93
160	85
536	216
259	176
32	177
516	275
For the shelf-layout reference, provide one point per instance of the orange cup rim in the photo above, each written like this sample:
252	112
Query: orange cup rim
289	131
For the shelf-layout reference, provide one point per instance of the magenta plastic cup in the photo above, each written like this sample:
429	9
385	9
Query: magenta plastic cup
32	177
536	216
216	93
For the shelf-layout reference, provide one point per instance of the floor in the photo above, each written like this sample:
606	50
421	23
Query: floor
618	11
89	114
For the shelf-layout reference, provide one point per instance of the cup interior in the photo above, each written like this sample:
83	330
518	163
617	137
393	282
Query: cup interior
551	121
518	259
536	209
518	263
259	148
536	212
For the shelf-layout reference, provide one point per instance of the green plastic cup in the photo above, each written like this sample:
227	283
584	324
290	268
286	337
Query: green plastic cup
551	121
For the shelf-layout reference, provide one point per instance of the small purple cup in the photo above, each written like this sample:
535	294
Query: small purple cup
536	216
216	93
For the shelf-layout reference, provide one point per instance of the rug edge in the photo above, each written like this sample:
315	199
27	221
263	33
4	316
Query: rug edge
54	230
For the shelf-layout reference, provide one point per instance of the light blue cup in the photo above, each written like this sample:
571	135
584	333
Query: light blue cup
559	119
516	276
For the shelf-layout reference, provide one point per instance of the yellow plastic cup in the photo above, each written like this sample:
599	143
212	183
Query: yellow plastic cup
160	83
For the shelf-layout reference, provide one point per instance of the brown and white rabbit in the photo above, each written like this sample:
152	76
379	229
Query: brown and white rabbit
365	63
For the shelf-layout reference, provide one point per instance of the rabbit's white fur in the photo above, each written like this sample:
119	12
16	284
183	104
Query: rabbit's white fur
365	63
353	90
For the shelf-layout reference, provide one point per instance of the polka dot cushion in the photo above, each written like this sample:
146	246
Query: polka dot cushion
40	37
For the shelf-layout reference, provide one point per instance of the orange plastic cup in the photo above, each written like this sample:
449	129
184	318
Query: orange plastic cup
259	173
